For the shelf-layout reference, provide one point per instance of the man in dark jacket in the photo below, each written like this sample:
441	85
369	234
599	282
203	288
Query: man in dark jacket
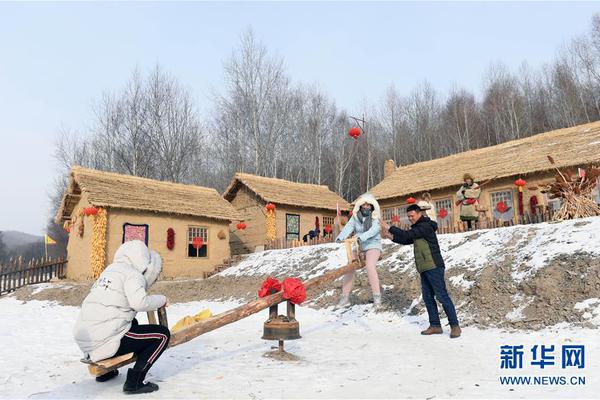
430	265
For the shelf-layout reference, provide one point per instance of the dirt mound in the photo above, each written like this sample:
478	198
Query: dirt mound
525	277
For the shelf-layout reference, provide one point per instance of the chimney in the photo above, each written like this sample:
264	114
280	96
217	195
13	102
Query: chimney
388	168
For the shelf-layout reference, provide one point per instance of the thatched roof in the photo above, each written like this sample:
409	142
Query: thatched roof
107	189
569	147
280	191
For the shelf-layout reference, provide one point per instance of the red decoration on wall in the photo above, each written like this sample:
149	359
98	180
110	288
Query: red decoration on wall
269	286
501	207
270	206
354	132
520	201
395	219
294	290
533	202
197	242
241	226
350	214
443	213
170	239
521	184
411	200
328	229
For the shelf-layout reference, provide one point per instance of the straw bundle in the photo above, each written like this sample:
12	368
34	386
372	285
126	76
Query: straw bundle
576	192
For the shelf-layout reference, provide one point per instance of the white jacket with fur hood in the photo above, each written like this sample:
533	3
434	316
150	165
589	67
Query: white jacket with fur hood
115	299
369	238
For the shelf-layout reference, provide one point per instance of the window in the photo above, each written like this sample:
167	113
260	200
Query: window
386	214
292	227
506	197
446	205
328	221
401	212
197	232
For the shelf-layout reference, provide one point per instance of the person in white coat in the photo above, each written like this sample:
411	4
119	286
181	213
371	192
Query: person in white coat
365	224
106	326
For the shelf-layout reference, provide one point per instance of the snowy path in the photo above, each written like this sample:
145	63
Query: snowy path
353	355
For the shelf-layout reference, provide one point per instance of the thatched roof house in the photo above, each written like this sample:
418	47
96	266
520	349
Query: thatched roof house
298	206
138	208
502	164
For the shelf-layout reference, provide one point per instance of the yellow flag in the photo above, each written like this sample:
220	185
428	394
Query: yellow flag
49	240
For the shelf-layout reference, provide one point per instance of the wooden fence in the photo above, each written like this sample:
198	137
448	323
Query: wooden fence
288	244
16	273
457	227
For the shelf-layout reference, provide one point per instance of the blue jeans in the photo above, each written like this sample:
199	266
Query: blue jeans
432	283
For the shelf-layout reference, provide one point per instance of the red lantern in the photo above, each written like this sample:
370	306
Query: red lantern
354	132
443	213
328	229
395	219
270	207
294	290
241	226
521	184
197	242
501	207
411	200
350	214
90	211
170	239
269	286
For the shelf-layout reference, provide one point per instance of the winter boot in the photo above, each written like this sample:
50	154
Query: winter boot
135	383
344	302
108	376
433	330
455	331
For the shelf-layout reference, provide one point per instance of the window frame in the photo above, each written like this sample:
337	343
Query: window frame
286	227
449	220
512	204
189	240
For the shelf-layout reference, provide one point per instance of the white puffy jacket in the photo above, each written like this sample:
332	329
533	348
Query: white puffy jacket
115	299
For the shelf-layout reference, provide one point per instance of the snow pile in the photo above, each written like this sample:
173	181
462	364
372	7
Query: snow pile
529	246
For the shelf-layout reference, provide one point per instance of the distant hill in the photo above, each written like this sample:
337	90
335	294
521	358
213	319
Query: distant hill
15	239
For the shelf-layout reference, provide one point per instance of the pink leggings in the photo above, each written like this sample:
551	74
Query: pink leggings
371	256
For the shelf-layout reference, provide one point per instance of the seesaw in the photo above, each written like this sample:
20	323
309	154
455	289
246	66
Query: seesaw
279	328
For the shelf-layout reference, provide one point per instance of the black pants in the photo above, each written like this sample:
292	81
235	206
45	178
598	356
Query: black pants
148	342
433	285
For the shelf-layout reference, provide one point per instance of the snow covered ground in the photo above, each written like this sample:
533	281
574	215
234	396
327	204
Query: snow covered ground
530	246
356	354
352	354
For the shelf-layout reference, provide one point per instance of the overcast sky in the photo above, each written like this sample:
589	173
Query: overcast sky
56	59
